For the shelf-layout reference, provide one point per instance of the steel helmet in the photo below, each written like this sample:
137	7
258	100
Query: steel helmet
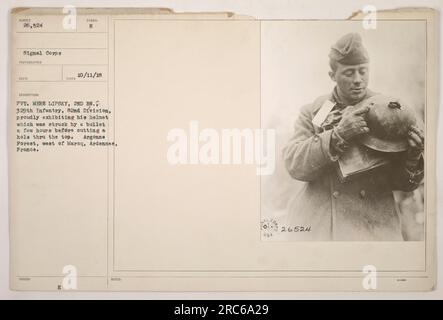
389	120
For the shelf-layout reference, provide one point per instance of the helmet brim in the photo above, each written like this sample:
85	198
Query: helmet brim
384	145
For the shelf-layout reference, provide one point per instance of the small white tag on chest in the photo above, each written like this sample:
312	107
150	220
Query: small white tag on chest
321	115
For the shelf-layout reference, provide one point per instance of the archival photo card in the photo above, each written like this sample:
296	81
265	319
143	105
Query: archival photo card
158	151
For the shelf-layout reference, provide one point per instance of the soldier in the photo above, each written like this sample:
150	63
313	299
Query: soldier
362	208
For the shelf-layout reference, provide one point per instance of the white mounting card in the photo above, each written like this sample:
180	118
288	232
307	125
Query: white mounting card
153	150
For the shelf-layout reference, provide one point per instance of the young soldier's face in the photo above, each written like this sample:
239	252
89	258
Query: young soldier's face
352	81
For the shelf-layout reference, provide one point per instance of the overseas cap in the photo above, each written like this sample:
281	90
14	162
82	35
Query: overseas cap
349	50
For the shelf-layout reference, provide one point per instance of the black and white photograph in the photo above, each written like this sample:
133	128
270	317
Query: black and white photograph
347	103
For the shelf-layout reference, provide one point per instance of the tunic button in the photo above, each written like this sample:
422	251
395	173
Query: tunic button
362	193
335	194
316	139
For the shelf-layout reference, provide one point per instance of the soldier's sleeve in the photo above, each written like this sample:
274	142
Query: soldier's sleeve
307	153
406	176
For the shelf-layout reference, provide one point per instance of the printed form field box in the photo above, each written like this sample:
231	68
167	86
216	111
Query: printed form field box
62	56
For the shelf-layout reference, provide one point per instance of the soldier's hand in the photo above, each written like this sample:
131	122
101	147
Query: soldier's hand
353	124
416	143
